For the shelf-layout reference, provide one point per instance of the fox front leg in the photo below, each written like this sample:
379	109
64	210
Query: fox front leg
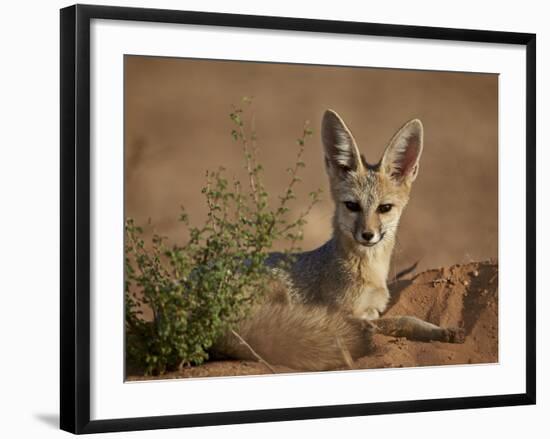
371	303
417	329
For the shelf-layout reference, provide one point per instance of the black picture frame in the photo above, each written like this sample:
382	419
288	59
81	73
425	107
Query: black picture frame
75	217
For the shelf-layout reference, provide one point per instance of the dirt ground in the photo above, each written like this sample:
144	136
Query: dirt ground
464	296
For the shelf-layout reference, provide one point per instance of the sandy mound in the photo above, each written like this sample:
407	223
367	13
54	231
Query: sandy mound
462	295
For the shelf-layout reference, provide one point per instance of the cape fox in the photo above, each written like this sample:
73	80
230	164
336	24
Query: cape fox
328	302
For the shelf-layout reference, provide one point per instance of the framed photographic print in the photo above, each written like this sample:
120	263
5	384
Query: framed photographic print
274	218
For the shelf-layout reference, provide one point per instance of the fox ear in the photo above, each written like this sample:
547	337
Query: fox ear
341	153
401	157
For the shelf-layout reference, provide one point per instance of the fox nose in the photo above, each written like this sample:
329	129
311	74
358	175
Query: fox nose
367	236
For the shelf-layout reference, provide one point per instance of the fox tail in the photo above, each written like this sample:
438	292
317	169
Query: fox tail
314	338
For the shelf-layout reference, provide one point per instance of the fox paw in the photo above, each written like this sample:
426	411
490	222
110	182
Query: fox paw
370	314
455	335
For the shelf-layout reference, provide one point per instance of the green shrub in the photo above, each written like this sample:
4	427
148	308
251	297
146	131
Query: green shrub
198	291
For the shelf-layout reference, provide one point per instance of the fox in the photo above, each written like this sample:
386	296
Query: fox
326	303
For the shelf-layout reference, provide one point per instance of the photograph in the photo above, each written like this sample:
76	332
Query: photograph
269	220
288	218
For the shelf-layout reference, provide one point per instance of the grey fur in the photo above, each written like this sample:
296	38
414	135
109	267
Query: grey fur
329	299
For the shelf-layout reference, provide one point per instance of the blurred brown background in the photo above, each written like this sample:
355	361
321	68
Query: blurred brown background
177	126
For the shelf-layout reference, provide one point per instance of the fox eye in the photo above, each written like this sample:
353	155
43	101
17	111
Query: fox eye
351	205
384	208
